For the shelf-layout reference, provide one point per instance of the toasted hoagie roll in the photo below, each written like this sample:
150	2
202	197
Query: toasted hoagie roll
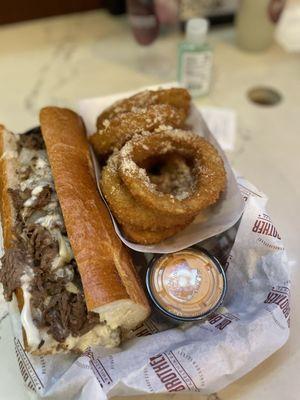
73	279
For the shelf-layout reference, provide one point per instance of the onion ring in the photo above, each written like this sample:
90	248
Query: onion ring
127	210
171	175
208	168
176	97
149	237
125	125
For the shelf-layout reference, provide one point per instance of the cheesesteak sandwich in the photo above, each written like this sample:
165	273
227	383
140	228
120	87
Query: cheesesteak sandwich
74	281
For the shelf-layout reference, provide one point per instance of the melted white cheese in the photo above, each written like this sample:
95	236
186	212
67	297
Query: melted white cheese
101	334
9	155
37	190
65	250
32	332
72	288
48	220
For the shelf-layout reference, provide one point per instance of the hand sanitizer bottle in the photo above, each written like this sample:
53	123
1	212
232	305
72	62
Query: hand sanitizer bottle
195	58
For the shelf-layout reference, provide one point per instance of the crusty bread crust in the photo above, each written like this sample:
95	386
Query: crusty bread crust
8	143
105	266
6	206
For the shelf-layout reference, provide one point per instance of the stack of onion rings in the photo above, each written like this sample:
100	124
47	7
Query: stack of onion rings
176	97
147	214
125	125
150	237
208	168
124	206
158	177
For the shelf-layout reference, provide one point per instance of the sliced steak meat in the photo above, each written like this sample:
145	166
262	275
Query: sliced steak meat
44	198
24	173
14	263
18	198
53	306
43	246
92	319
32	140
67	314
57	301
57	315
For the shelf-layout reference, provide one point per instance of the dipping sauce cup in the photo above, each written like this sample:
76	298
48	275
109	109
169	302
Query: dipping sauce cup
187	285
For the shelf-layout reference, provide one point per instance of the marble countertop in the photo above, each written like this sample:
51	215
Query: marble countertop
60	60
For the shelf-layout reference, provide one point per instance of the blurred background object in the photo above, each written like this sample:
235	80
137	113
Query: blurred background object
167	11
18	10
195	58
216	11
143	20
288	31
255	23
148	18
116	7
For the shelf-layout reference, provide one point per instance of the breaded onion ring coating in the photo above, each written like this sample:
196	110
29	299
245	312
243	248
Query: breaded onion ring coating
124	126
176	97
126	209
149	237
208	169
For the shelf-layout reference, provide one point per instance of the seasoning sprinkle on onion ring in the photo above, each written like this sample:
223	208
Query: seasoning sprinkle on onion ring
176	97
128	211
207	167
149	237
124	126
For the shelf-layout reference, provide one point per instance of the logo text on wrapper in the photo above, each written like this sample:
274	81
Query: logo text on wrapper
280	296
149	327
27	370
220	321
101	373
267	233
172	373
264	226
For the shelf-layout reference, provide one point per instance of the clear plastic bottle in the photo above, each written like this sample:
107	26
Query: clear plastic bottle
195	58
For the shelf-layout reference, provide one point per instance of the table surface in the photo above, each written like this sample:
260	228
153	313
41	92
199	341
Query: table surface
60	60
